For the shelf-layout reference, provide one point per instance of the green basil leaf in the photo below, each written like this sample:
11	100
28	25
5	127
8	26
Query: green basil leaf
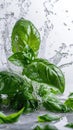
52	103
48	118
69	102
45	90
25	35
10	118
21	58
18	90
70	125
42	71
11	83
38	128
46	127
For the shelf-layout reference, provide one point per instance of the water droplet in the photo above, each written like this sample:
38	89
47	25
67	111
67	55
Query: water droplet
65	24
69	29
66	11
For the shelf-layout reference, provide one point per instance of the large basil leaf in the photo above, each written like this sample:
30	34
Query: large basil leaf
10	118
11	83
42	71
25	35
18	90
48	118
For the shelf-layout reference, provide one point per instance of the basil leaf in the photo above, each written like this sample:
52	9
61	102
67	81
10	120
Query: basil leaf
21	58
25	35
11	83
10	118
42	71
48	118
69	102
45	90
18	90
46	127
38	128
52	103
70	125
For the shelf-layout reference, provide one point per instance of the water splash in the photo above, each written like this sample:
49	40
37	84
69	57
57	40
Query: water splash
66	65
59	54
24	7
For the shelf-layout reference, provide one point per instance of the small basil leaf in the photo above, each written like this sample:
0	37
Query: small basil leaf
71	94
25	34
52	103
38	128
45	90
46	127
10	118
70	125
48	118
42	71
2	118
21	58
69	102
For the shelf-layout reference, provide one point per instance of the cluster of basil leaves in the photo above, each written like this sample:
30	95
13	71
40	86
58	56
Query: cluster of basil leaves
19	89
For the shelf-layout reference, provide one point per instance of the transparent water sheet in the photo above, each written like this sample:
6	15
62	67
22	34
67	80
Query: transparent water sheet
54	20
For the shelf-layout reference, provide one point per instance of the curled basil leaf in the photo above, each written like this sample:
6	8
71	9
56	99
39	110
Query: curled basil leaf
24	36
10	118
42	71
48	118
46	127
